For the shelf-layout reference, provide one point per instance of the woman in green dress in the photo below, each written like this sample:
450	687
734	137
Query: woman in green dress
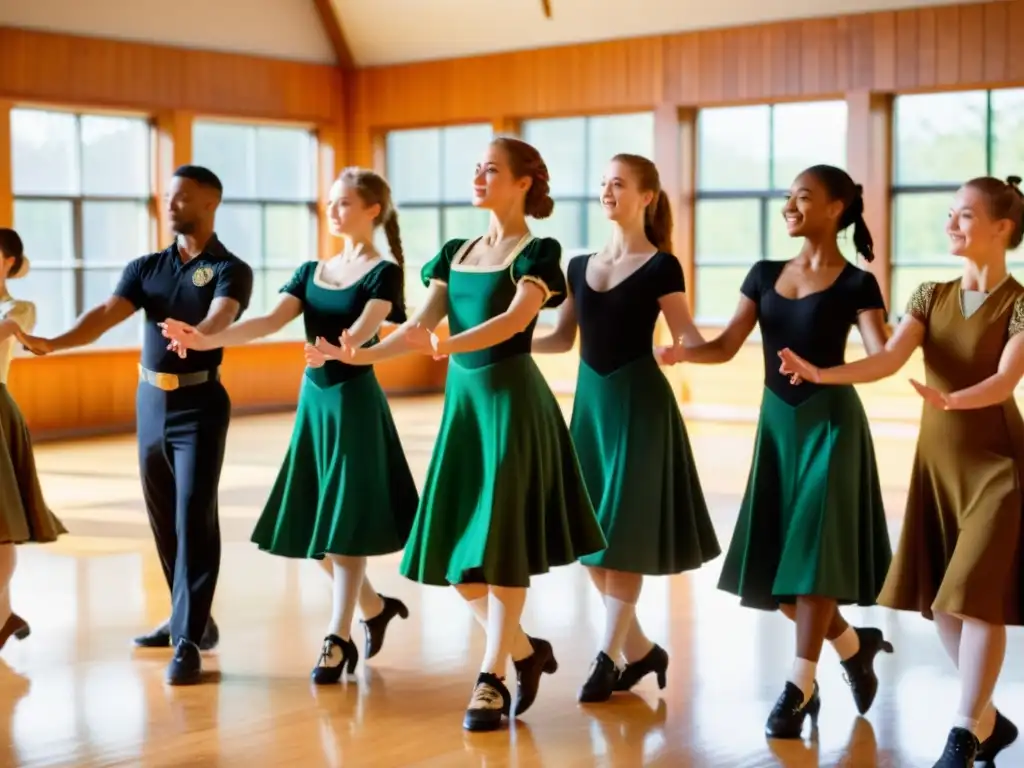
504	498
344	491
959	560
626	425
811	533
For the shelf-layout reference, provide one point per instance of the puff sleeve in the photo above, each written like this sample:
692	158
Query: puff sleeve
24	314
439	268
386	284
540	264
296	285
920	302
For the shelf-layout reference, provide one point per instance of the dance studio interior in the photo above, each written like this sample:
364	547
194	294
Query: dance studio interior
107	108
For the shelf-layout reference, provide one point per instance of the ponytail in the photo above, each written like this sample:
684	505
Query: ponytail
658	222
840	186
863	243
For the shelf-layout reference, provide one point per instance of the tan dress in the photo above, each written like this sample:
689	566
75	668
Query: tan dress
959	550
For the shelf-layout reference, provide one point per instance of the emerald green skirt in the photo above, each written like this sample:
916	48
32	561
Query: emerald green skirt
24	516
812	520
638	467
345	487
504	499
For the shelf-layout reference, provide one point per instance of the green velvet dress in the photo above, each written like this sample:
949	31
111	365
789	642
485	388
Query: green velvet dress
504	498
812	520
345	487
628	432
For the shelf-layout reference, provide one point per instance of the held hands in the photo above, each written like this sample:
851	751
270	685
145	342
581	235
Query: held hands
798	369
314	357
34	344
426	342
932	396
670	355
183	337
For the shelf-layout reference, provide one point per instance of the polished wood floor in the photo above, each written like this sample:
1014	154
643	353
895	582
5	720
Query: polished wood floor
76	694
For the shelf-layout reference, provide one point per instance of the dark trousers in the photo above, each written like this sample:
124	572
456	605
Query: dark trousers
181	437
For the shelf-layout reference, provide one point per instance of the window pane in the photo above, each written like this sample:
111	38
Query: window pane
413	165
273	280
906	279
728	231
52	290
1008	133
114	233
285	164
463	146
44	152
599	227
807	134
562	144
565	224
614	134
733	148
99	284
47	230
230	152
464	221
939	137
116	156
421	239
289	239
919	228
783	247
240	228
718	292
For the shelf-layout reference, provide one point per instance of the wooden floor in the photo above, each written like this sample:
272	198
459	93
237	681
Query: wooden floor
76	694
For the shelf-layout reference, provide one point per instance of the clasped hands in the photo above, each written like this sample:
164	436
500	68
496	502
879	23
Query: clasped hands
417	338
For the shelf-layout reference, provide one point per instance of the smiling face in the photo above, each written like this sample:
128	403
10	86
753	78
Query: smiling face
495	186
973	231
621	197
347	212
809	210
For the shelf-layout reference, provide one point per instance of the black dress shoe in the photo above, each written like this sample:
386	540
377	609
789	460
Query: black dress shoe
186	668
786	720
161	637
860	668
378	625
961	750
1003	735
325	673
601	683
491	701
529	670
655	661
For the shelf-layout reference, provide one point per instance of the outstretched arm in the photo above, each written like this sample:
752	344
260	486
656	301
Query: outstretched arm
186	336
680	321
88	328
525	306
727	344
564	336
997	388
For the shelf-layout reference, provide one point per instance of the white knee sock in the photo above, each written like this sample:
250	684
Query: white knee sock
803	676
521	645
619	617
503	614
982	648
847	644
348	577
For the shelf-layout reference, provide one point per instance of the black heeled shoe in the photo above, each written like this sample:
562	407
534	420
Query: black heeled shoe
655	661
860	668
1003	735
325	673
601	683
786	720
528	672
491	700
961	750
378	625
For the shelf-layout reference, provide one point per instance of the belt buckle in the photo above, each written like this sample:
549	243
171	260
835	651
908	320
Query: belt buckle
168	382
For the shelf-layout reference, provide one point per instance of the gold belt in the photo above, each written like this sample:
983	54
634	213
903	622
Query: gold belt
169	382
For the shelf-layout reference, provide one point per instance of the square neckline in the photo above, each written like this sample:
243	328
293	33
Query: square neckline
466	247
319	283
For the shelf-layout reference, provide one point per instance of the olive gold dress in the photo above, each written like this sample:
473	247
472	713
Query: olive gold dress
960	547
504	497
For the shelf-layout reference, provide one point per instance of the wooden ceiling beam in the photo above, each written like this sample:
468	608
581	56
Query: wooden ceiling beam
332	25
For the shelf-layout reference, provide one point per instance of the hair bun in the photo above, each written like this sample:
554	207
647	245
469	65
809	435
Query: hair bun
859	189
1013	181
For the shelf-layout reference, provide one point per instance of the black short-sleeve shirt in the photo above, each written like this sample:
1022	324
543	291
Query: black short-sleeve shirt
163	286
816	327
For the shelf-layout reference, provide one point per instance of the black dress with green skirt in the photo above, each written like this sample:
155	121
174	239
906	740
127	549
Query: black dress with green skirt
628	431
345	487
812	520
504	498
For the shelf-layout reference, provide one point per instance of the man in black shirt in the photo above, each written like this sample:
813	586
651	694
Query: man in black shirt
182	409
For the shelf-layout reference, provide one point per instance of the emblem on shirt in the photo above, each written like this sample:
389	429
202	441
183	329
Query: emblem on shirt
202	276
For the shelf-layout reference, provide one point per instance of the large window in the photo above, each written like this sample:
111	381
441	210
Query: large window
747	159
83	206
268	216
430	172
940	141
577	151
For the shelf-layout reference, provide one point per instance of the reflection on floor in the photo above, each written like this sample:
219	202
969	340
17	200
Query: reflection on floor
77	694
